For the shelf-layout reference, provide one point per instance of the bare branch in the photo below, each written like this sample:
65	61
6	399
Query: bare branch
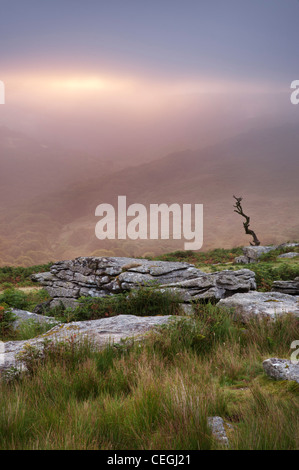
248	231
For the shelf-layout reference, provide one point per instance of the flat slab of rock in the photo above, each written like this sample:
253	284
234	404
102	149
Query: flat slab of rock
24	315
99	277
261	304
287	287
288	245
101	332
291	254
216	285
281	369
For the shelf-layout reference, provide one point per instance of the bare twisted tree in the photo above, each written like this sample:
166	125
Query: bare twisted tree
248	231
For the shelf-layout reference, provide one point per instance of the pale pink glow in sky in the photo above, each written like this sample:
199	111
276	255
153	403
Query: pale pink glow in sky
118	114
63	85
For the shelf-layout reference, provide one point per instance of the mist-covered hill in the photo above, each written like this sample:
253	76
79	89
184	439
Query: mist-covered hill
260	165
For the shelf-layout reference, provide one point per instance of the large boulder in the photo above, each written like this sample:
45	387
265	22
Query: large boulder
100	277
261	304
100	332
281	369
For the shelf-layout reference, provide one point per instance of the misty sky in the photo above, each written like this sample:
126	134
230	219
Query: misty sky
84	72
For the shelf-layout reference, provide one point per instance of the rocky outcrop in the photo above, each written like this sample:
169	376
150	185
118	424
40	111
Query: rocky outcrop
98	277
100	332
261	304
287	287
281	369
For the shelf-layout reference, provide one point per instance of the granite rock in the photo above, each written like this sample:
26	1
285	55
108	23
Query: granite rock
99	277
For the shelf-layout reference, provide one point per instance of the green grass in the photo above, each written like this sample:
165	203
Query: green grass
14	298
218	255
272	255
30	329
24	301
156	394
267	272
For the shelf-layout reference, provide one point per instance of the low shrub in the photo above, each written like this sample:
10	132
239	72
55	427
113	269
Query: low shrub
14	298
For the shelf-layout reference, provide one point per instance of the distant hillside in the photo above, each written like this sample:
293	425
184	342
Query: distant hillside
262	166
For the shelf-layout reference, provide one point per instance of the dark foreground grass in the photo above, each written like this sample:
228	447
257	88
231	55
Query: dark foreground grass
159	393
